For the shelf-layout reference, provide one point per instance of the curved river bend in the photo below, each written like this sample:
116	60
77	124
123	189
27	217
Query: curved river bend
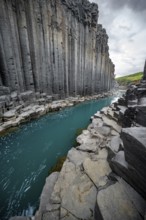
27	154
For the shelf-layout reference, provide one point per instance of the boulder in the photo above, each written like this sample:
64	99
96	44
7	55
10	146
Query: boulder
75	191
10	115
127	172
97	171
114	144
114	202
45	199
27	96
54	215
141	115
111	123
134	140
77	157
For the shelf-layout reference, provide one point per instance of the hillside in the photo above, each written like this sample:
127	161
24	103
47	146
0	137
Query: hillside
133	78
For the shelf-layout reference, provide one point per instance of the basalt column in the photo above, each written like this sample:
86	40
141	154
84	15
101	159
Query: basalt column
53	46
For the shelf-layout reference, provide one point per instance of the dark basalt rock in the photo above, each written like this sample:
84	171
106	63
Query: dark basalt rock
144	72
45	48
84	11
134	140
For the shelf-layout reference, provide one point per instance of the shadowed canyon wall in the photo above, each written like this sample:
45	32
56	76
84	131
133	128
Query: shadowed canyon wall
53	46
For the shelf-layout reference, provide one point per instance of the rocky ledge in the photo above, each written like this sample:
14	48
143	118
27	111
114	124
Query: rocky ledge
104	176
17	108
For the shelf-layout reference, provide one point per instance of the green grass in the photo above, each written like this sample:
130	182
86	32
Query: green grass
133	78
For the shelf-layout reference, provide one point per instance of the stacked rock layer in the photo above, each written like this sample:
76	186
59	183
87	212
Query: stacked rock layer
53	46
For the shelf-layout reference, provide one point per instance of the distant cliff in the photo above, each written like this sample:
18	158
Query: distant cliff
53	46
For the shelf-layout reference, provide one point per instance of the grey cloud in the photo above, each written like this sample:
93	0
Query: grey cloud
136	5
124	27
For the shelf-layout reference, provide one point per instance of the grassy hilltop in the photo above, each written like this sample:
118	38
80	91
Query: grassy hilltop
133	78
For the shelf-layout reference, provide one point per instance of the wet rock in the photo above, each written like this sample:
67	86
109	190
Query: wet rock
45	200
98	115
20	218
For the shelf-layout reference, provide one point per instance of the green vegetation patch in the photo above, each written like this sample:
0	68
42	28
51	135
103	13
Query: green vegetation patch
77	133
8	131
126	80
58	166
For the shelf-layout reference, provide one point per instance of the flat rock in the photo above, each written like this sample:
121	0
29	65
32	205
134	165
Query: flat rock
104	110
122	108
114	144
91	146
114	203
10	114
66	177
98	115
75	191
97	171
111	123
77	157
45	200
137	200
104	130
65	215
87	143
120	159
54	215
81	197
97	122
102	154
114	133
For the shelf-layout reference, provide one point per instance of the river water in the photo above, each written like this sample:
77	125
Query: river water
27	154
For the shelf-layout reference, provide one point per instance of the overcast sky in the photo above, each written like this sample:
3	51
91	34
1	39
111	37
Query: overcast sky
125	22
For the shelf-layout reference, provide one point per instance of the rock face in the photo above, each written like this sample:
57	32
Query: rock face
53	46
144	72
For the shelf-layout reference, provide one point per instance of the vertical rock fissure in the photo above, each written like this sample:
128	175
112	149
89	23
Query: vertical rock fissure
56	47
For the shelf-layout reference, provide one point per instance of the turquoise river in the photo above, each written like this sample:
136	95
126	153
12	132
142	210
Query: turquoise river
27	154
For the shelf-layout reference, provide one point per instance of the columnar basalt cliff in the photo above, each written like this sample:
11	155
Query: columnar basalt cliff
53	46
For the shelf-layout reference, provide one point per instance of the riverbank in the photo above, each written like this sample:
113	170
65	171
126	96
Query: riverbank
104	165
33	106
109	162
88	180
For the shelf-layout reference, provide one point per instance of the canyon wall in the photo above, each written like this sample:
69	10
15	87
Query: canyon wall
53	46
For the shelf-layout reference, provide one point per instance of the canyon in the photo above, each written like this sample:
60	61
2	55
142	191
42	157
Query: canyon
55	47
